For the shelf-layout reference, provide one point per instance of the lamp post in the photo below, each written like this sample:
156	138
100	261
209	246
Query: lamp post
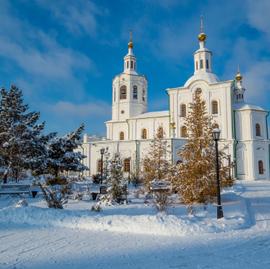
102	150
216	136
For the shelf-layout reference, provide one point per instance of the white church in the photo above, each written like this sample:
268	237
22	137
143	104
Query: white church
244	130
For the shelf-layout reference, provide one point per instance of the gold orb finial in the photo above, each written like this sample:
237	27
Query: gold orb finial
130	43
201	36
238	76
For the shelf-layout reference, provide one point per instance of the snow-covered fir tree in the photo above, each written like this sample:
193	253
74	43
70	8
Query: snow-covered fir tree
195	178
23	146
117	185
62	154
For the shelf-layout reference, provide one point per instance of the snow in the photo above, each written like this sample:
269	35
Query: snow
135	236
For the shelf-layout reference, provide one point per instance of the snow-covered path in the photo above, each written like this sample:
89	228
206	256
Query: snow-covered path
47	247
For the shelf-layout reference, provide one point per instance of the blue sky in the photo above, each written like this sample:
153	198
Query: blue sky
64	54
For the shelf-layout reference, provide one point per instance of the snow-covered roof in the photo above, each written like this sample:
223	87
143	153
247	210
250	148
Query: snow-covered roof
154	114
245	106
206	76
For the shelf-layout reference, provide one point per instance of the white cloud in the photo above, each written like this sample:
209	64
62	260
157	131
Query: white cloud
91	109
258	15
80	17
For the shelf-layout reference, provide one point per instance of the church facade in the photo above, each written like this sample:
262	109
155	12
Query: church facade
244	129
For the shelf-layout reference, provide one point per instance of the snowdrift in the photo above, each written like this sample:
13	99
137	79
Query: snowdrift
176	224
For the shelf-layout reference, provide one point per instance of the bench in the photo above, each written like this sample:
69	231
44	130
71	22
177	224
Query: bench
6	189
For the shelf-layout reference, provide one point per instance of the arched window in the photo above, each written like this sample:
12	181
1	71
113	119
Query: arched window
127	165
183	131
207	64
183	110
135	92
160	132
214	107
121	136
260	167
127	64
144	133
131	64
258	129
123	92
198	91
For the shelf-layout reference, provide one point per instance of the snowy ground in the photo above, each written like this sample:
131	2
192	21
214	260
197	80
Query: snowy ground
133	236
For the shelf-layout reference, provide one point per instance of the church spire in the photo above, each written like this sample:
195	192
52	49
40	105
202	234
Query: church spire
203	56
239	90
202	36
130	59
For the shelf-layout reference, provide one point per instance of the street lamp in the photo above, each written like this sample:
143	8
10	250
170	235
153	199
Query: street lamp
216	136
102	150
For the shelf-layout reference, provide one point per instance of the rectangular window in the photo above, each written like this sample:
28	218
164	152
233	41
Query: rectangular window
201	64
207	64
196	65
131	64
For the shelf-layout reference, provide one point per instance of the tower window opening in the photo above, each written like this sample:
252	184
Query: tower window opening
123	92
143	95
127	64
127	165
135	92
183	110
196	65
131	64
260	167
121	136
258	129
207	64
214	107
114	95
201	64
144	134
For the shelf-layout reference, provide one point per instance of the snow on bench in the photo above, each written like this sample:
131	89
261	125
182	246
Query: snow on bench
14	188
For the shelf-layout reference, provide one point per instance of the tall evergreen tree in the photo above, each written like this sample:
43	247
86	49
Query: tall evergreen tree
195	178
156	165
22	144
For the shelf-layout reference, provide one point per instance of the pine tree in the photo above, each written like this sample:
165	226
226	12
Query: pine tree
23	146
195	178
156	165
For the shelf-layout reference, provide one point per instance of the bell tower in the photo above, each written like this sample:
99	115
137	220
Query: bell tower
239	90
129	96
203	56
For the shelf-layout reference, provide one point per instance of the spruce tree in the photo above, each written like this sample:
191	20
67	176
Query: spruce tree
195	178
117	185
63	154
23	146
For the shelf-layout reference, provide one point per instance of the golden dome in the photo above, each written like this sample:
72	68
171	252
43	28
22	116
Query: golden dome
202	36
130	45
238	76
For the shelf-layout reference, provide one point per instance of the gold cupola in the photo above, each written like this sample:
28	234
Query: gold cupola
238	76
130	43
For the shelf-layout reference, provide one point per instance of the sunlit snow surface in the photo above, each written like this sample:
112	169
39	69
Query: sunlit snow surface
134	236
